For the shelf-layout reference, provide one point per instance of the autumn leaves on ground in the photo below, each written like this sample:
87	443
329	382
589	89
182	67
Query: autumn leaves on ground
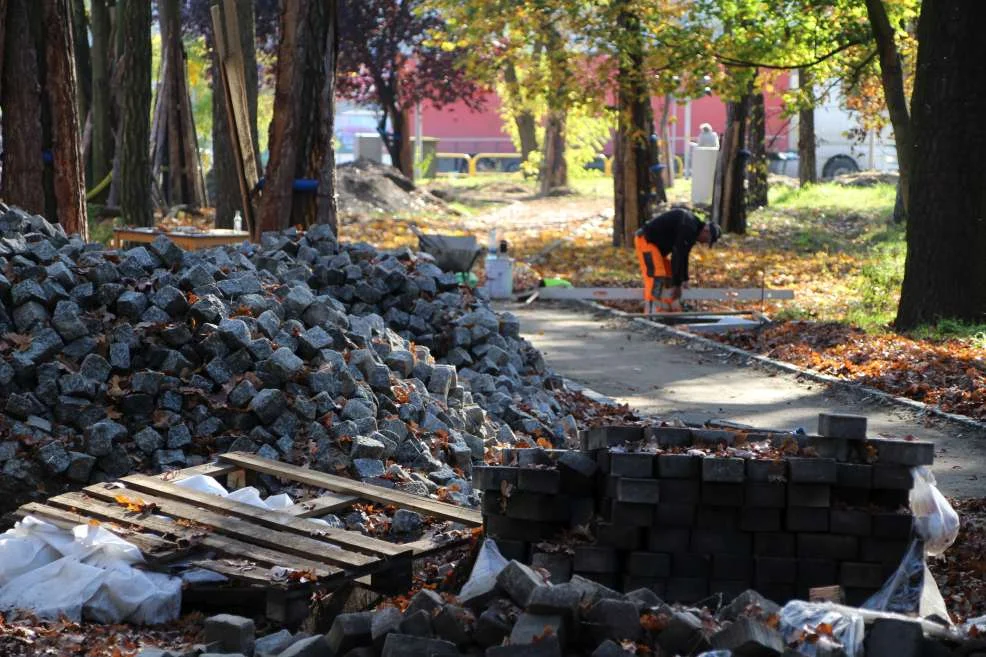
834	244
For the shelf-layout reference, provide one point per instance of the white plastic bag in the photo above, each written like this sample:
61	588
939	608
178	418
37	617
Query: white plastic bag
801	621
203	484
935	521
489	563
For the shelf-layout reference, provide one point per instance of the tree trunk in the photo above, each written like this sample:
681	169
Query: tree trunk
892	74
326	210
731	213
101	157
757	173
945	271
23	140
634	152
135	109
226	195
299	146
83	60
524	119
275	210
554	170
62	100
3	33
402	138
181	179
807	165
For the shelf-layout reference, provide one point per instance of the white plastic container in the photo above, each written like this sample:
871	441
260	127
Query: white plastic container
703	174
500	276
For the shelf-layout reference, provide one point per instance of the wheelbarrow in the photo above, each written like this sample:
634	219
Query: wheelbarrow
452	253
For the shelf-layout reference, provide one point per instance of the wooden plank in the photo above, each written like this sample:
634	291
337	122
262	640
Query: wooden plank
425	546
321	505
290	544
637	294
224	544
237	85
273	519
154	548
213	469
259	575
417	503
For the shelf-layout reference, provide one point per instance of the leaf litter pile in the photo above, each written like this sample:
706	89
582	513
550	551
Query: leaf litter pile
961	571
950	375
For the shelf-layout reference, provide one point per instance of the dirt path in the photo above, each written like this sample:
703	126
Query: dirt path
696	384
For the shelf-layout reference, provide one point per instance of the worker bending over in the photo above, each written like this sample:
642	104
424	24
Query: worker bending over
663	245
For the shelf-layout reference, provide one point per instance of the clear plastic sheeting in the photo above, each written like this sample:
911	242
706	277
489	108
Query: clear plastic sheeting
88	572
935	521
489	563
817	628
911	590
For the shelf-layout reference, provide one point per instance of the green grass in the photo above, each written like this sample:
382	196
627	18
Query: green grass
878	283
823	197
949	329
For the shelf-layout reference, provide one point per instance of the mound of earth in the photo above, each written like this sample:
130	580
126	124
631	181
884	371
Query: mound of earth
368	188
867	178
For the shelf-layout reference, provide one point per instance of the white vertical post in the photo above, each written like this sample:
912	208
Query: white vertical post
418	143
688	138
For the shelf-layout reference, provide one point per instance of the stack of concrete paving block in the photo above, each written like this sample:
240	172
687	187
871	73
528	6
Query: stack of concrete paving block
681	511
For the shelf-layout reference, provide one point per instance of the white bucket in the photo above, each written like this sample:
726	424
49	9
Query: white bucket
499	276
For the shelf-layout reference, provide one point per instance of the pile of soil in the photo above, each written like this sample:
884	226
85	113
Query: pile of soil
368	189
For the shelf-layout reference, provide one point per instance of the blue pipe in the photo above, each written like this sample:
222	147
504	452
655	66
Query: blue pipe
300	185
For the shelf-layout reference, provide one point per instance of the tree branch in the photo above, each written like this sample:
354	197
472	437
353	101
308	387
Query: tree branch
731	61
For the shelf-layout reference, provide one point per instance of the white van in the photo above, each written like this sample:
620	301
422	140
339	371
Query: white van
837	153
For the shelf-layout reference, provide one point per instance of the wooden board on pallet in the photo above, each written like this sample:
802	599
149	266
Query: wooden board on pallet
337	484
637	294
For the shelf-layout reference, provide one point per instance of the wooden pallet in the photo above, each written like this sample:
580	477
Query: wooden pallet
243	542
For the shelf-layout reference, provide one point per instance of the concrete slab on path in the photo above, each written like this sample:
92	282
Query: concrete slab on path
669	378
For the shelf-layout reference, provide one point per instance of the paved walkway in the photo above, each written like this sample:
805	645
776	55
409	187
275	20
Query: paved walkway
695	383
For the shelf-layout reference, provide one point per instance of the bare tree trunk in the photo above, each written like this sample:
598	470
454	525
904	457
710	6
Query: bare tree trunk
60	92
807	165
3	33
731	208
945	271
226	196
554	170
83	60
892	74
326	211
299	147
757	172
101	158
405	156
634	152
525	121
23	141
275	210
135	109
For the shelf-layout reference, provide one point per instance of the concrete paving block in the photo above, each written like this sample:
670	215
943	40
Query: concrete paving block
233	633
837	425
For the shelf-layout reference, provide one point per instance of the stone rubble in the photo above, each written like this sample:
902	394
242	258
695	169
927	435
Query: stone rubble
352	360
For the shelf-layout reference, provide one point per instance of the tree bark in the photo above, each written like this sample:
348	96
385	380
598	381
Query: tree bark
23	140
101	157
3	34
326	210
731	213
62	100
634	153
405	153
945	271
299	147
757	145
524	119
135	109
807	164
554	169
275	211
892	75
225	195
83	60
